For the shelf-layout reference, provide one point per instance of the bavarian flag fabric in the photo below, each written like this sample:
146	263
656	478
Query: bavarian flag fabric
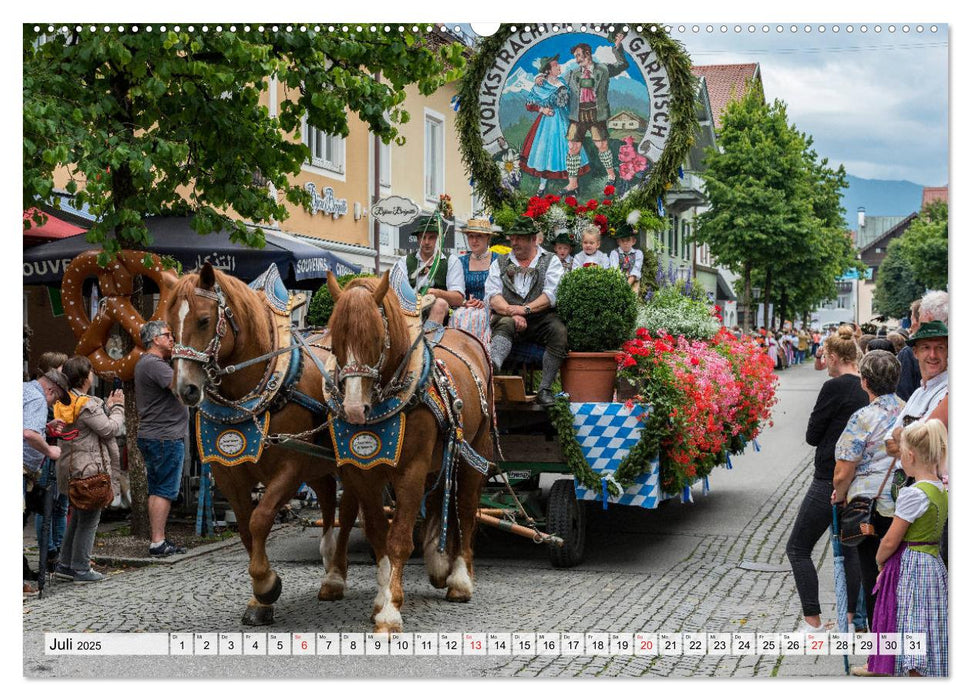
606	433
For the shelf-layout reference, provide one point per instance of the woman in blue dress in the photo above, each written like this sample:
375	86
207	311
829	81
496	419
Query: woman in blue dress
473	316
545	146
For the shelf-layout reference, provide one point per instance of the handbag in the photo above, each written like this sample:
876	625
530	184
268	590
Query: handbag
856	523
91	492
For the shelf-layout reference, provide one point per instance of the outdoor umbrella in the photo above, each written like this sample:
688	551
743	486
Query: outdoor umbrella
839	574
173	236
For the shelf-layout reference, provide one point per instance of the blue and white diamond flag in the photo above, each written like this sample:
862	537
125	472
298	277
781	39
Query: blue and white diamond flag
606	433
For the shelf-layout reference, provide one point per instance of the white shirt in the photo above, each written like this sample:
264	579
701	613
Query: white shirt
922	402
522	282
912	502
599	257
637	260
454	277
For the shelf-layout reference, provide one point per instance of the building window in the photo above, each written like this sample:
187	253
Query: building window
434	156
672	235
384	155
685	245
326	150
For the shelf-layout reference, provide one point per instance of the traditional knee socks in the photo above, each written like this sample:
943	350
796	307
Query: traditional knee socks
501	346
551	365
607	158
572	165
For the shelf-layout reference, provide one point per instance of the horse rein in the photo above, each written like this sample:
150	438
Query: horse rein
366	371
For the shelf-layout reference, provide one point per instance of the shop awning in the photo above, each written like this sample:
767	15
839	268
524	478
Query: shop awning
51	230
172	236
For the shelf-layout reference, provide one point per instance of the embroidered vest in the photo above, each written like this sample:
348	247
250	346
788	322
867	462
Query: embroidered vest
509	292
439	281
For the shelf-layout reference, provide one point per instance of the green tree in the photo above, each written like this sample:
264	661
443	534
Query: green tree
924	246
171	121
759	189
897	284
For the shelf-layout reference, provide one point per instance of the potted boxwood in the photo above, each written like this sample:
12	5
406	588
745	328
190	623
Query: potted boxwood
599	310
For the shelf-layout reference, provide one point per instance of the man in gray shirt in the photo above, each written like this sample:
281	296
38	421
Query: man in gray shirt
163	422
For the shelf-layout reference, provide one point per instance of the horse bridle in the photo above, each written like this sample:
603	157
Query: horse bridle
366	371
209	358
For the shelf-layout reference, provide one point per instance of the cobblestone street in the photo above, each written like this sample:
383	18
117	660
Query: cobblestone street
676	569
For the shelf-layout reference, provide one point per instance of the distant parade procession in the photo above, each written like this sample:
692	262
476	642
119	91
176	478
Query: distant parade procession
545	346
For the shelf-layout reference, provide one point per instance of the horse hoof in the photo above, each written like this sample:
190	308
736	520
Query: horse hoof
455	595
272	595
258	615
388	628
437	581
328	592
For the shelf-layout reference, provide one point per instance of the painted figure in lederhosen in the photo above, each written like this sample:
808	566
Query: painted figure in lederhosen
589	109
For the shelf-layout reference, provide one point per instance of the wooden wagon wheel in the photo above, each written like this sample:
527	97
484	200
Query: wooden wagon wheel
116	282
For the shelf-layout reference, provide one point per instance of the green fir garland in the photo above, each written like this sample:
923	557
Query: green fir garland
485	171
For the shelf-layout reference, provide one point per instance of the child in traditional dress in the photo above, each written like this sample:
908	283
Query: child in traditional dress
912	585
591	253
626	258
563	247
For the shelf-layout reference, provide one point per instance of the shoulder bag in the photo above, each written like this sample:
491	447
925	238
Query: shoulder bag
856	523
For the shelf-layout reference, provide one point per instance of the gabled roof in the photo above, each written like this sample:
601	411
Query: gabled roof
727	83
934	194
869	254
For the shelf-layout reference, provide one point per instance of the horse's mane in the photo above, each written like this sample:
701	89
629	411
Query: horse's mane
245	303
355	325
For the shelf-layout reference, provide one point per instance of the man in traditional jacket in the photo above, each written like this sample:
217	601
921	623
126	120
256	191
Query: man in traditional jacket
589	109
446	282
521	291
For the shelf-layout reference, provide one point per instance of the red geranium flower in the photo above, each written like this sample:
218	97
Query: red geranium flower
571	201
608	202
609	190
591	204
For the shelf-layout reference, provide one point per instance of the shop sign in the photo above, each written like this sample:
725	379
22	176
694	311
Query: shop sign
325	201
395	210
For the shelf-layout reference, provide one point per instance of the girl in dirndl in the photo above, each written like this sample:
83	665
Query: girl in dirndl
912	586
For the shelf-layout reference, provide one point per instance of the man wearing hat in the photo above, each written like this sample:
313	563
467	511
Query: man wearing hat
929	344
626	258
39	395
521	291
445	282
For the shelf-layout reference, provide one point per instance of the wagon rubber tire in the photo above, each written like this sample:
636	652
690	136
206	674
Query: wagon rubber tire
565	518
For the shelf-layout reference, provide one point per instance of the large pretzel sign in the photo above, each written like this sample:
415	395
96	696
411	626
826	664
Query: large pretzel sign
116	284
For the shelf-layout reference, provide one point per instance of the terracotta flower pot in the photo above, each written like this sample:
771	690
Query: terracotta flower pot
589	376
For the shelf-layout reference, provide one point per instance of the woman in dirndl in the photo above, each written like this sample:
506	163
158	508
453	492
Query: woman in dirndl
473	315
912	587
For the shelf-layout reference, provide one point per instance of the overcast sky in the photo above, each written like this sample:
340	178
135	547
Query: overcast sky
876	102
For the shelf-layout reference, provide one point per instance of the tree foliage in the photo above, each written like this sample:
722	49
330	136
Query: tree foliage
149	123
896	284
776	213
924	246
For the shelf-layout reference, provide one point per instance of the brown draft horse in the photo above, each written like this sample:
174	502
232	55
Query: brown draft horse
357	339
193	318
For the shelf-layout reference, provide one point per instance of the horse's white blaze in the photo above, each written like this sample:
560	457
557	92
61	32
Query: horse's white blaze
328	545
459	579
183	312
353	396
388	614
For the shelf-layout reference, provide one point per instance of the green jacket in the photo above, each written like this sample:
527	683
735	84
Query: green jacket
601	74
